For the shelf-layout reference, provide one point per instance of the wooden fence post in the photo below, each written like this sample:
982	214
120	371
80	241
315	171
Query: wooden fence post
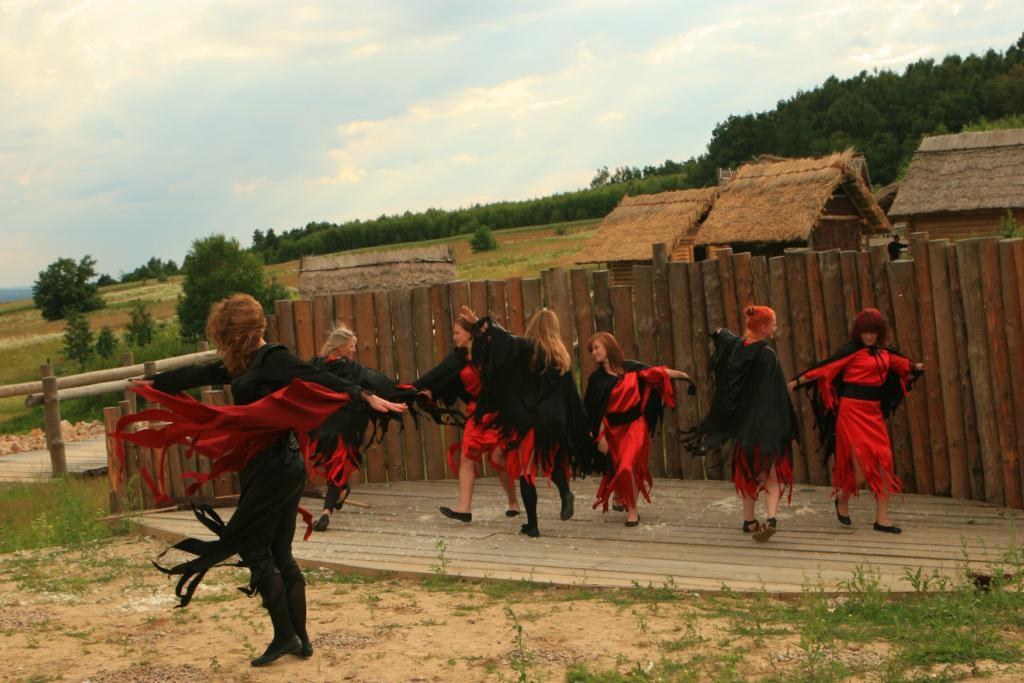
802	336
516	318
51	422
423	332
285	323
305	341
115	474
1011	266
394	457
584	320
968	254
666	356
532	300
647	346
688	413
366	336
401	316
710	465
323	320
222	485
128	359
603	301
622	311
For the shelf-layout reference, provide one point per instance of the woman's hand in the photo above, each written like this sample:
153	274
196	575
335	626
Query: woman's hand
382	406
919	367
140	382
678	374
602	445
427	393
467	314
792	385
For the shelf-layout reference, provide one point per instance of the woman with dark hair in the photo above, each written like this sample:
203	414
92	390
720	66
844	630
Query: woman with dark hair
340	438
624	401
750	409
278	399
457	377
528	383
855	391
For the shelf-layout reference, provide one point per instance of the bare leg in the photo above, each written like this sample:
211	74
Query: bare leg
773	492
882	509
844	496
467	479
507	484
633	514
748	509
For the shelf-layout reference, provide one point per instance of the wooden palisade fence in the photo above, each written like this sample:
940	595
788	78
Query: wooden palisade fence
957	307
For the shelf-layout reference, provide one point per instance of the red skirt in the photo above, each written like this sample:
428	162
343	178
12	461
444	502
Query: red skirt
861	433
478	439
523	462
630	449
748	468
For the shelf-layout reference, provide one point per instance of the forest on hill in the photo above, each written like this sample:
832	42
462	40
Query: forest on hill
883	114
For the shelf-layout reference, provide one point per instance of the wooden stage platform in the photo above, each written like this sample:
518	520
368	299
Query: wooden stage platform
84	458
690	533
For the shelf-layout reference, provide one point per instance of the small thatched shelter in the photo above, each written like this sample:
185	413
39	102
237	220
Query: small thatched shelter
625	237
962	185
773	203
393	269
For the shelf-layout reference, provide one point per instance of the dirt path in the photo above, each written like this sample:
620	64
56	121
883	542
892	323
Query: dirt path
104	614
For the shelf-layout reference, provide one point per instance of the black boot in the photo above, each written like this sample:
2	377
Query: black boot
296	591
568	500
321	524
285	641
528	492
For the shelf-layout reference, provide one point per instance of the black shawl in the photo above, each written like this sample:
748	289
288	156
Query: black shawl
825	419
525	398
750	404
444	381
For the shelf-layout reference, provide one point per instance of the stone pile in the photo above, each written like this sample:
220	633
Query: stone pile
36	440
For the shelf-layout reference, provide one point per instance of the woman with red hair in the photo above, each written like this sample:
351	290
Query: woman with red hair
624	402
855	391
751	410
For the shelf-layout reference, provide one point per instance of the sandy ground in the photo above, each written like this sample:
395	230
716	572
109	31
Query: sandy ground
105	614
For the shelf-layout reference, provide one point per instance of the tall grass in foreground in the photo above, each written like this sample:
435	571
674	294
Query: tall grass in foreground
63	512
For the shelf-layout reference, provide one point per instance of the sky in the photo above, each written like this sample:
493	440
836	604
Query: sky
129	129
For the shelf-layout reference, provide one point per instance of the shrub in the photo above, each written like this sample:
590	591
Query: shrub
64	287
78	341
106	344
139	331
483	240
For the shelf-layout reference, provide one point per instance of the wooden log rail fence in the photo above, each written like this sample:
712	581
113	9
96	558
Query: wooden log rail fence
957	307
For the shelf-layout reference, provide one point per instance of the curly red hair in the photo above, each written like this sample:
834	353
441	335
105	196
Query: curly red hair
869	320
235	326
759	318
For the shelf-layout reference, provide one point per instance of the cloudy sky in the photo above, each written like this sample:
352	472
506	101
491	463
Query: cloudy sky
127	129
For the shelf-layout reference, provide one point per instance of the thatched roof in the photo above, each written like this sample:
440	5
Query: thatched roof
885	195
771	200
390	269
964	172
637	223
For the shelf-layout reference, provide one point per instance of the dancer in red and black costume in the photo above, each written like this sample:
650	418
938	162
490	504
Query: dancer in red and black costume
854	393
624	401
341	438
279	398
456	378
528	384
751	410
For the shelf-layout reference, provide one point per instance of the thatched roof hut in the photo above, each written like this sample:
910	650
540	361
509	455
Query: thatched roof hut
626	235
392	269
961	185
774	203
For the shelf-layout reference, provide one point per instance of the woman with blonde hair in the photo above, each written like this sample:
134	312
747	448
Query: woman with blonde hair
625	400
457	377
528	382
341	438
278	400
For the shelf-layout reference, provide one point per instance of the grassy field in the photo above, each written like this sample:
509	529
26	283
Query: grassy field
27	341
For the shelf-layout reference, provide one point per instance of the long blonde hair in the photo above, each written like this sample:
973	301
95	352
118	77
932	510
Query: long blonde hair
235	326
549	349
339	337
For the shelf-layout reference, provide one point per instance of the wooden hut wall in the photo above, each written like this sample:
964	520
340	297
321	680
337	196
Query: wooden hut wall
958	307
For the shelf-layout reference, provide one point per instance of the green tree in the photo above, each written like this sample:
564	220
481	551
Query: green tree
78	340
216	267
139	331
64	287
106	344
483	240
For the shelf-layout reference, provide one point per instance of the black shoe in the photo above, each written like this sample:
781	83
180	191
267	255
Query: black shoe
321	524
634	523
888	529
568	507
461	516
307	650
511	513
618	508
750	526
766	531
531	531
275	652
843	519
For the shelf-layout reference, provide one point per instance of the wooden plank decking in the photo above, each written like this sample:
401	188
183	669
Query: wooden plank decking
690	533
84	458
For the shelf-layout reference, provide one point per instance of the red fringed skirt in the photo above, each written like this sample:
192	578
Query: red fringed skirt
630	448
478	438
861	433
749	468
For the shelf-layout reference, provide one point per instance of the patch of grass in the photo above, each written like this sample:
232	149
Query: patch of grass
61	512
